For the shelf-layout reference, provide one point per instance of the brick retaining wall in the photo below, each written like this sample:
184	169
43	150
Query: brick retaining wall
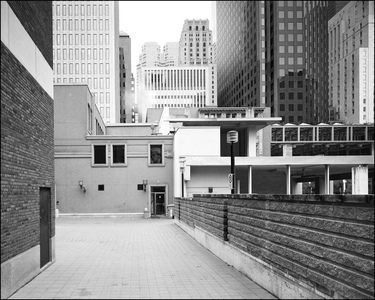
325	243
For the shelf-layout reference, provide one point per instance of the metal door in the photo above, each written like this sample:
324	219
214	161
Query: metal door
44	218
160	205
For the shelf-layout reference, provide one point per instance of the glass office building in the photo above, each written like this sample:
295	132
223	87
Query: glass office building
274	54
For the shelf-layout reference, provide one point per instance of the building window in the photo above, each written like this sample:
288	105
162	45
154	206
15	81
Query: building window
118	155
99	155
156	154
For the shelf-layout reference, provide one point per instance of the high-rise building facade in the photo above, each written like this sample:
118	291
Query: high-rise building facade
274	54
86	50
184	86
334	7
170	55
126	91
351	63
196	43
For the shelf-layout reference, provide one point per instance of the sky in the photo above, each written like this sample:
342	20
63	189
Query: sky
158	21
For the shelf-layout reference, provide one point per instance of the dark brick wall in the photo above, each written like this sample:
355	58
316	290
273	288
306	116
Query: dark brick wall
36	18
322	241
27	156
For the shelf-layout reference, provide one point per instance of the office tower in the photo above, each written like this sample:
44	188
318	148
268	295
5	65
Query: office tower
86	50
126	92
274	54
214	22
150	56
27	143
351	63
183	86
334	7
170	55
196	43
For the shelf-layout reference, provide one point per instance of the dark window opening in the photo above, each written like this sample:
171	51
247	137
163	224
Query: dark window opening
118	154
100	154
101	187
156	154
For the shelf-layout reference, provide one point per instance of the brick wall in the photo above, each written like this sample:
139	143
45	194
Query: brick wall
27	156
34	16
325	242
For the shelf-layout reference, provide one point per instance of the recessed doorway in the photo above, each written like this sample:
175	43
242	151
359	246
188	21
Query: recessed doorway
158	201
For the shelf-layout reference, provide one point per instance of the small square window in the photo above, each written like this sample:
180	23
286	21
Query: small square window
101	187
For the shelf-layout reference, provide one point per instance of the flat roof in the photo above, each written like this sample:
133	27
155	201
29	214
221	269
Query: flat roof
226	122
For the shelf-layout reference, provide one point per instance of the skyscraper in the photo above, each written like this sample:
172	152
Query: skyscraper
196	43
126	92
334	7
351	63
274	54
170	55
86	50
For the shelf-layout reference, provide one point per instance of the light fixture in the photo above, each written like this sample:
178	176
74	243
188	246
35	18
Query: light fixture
232	137
145	182
153	128
80	183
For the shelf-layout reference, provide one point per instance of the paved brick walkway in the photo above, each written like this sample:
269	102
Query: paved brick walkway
132	257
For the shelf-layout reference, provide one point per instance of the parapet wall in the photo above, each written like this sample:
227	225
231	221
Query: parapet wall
323	244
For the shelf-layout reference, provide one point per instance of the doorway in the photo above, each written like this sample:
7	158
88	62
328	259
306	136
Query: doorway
44	224
157	200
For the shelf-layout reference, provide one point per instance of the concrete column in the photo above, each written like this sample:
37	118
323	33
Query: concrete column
251	142
288	184
287	150
326	180
360	180
250	180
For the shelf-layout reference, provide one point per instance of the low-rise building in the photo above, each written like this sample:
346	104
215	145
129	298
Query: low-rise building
181	151
107	168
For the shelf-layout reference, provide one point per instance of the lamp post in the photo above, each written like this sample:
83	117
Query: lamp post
232	137
182	167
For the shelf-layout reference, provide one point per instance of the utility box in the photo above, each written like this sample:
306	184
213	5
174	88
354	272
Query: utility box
146	214
170	208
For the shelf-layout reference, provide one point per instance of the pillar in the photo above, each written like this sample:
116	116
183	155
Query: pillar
360	180
250	191
251	142
288	184
326	180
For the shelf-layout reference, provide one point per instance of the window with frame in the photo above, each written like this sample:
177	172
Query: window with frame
99	157
119	155
156	154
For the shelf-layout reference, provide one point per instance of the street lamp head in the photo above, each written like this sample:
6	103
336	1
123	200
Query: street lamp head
232	136
182	162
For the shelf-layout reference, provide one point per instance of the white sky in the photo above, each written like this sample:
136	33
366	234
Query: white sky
158	21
